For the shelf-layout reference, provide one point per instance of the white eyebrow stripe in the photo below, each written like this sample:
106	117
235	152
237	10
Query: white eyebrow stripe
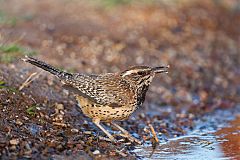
129	72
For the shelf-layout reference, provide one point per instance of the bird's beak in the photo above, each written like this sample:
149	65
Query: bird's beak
161	69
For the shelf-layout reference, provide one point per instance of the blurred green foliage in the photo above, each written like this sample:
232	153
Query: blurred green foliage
2	83
111	3
11	51
31	110
7	20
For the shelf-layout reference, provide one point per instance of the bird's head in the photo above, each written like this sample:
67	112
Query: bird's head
143	75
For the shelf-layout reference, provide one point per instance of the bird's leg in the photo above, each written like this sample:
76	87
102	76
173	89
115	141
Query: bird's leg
97	123
128	135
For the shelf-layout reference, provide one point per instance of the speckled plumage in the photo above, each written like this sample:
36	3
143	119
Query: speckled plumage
106	97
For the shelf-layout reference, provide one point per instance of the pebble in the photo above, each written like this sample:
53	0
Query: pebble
60	124
96	152
59	106
87	132
14	141
74	130
19	122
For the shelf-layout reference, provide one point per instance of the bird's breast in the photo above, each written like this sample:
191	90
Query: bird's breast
104	112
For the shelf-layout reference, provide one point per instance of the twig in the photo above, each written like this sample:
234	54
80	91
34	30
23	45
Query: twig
20	38
31	78
154	140
153	133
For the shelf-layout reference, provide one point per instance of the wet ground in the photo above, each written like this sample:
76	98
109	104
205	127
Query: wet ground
194	109
214	136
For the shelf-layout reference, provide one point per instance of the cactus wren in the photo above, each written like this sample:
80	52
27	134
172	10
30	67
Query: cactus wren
107	97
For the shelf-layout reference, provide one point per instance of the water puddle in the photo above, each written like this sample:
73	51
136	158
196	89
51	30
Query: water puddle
215	136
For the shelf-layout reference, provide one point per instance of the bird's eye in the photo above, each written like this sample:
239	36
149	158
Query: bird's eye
141	73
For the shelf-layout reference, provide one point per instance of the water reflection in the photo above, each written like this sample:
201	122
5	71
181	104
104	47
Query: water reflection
229	139
217	140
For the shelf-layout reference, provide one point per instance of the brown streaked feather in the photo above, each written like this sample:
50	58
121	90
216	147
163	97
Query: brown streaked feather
105	89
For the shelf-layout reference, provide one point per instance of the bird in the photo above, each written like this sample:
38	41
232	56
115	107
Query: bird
106	97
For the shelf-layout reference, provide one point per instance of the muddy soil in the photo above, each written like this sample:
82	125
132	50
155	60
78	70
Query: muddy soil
199	39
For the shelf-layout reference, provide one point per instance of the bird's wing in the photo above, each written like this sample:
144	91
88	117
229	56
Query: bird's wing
105	89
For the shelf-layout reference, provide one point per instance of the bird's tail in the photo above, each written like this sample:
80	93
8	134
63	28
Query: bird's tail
60	74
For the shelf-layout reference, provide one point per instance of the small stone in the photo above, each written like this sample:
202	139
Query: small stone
14	141
85	122
74	130
191	116
59	106
142	115
87	132
146	130
18	122
60	124
66	92
96	152
12	148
